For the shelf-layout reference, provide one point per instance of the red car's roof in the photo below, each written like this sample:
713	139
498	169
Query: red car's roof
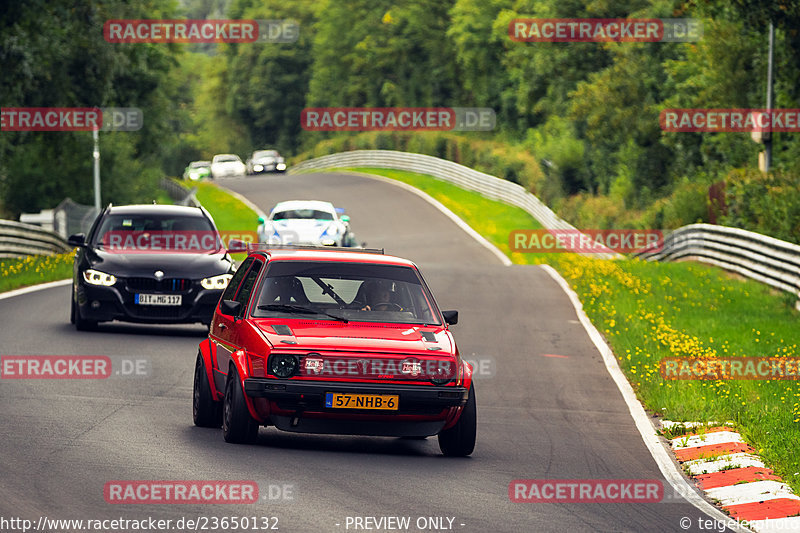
334	255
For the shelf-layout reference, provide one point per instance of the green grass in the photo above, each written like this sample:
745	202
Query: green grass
163	198
649	311
229	213
34	269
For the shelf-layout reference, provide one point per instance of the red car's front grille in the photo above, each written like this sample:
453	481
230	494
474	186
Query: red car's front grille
373	366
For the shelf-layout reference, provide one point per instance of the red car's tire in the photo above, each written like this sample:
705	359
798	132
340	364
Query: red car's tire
206	412
459	440
237	424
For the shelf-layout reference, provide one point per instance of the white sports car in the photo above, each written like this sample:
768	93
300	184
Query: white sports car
306	222
227	165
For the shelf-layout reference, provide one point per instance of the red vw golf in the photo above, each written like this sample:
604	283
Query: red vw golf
333	341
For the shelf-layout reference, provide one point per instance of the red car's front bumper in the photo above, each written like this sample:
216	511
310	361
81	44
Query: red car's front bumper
299	406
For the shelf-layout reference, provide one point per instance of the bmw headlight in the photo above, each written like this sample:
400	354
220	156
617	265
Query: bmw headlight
258	168
281	166
95	277
216	282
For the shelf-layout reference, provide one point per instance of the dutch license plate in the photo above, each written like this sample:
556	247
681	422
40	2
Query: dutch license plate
157	299
337	400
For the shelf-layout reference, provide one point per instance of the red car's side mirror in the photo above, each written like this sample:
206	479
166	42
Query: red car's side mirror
230	307
451	317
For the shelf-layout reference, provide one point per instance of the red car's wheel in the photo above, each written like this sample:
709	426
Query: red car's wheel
459	440
206	412
237	424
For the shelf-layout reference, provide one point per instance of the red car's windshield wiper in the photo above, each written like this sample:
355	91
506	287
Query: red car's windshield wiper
300	310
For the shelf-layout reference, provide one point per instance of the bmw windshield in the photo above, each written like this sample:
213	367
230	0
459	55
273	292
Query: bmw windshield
127	233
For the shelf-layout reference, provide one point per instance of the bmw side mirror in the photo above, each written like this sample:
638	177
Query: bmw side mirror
230	307
451	317
78	239
345	218
261	220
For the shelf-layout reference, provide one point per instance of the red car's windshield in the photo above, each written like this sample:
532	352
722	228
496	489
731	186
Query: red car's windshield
352	291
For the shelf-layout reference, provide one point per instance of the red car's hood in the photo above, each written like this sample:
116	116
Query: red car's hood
357	336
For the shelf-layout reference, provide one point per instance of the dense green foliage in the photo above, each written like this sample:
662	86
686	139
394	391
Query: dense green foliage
53	54
586	114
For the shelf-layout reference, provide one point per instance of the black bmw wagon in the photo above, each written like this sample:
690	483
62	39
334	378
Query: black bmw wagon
148	263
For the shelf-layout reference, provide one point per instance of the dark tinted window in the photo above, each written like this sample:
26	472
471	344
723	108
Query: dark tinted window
237	279
311	214
157	231
247	284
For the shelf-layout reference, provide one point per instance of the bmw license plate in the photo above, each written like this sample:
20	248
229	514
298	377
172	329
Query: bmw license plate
157	299
385	402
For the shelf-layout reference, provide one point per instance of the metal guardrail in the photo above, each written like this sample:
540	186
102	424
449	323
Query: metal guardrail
487	185
180	194
753	255
18	240
467	178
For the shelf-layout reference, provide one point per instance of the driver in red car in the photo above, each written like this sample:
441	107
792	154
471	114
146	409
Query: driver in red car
287	290
379	297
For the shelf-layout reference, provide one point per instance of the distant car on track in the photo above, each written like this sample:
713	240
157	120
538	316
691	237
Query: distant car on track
310	222
333	341
227	165
197	170
148	263
265	161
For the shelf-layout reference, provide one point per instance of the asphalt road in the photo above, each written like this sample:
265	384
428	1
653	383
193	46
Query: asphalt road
539	417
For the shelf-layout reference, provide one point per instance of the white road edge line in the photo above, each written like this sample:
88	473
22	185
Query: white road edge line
441	207
244	200
640	418
646	428
34	288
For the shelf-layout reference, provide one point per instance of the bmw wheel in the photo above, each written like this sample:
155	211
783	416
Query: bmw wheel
81	324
